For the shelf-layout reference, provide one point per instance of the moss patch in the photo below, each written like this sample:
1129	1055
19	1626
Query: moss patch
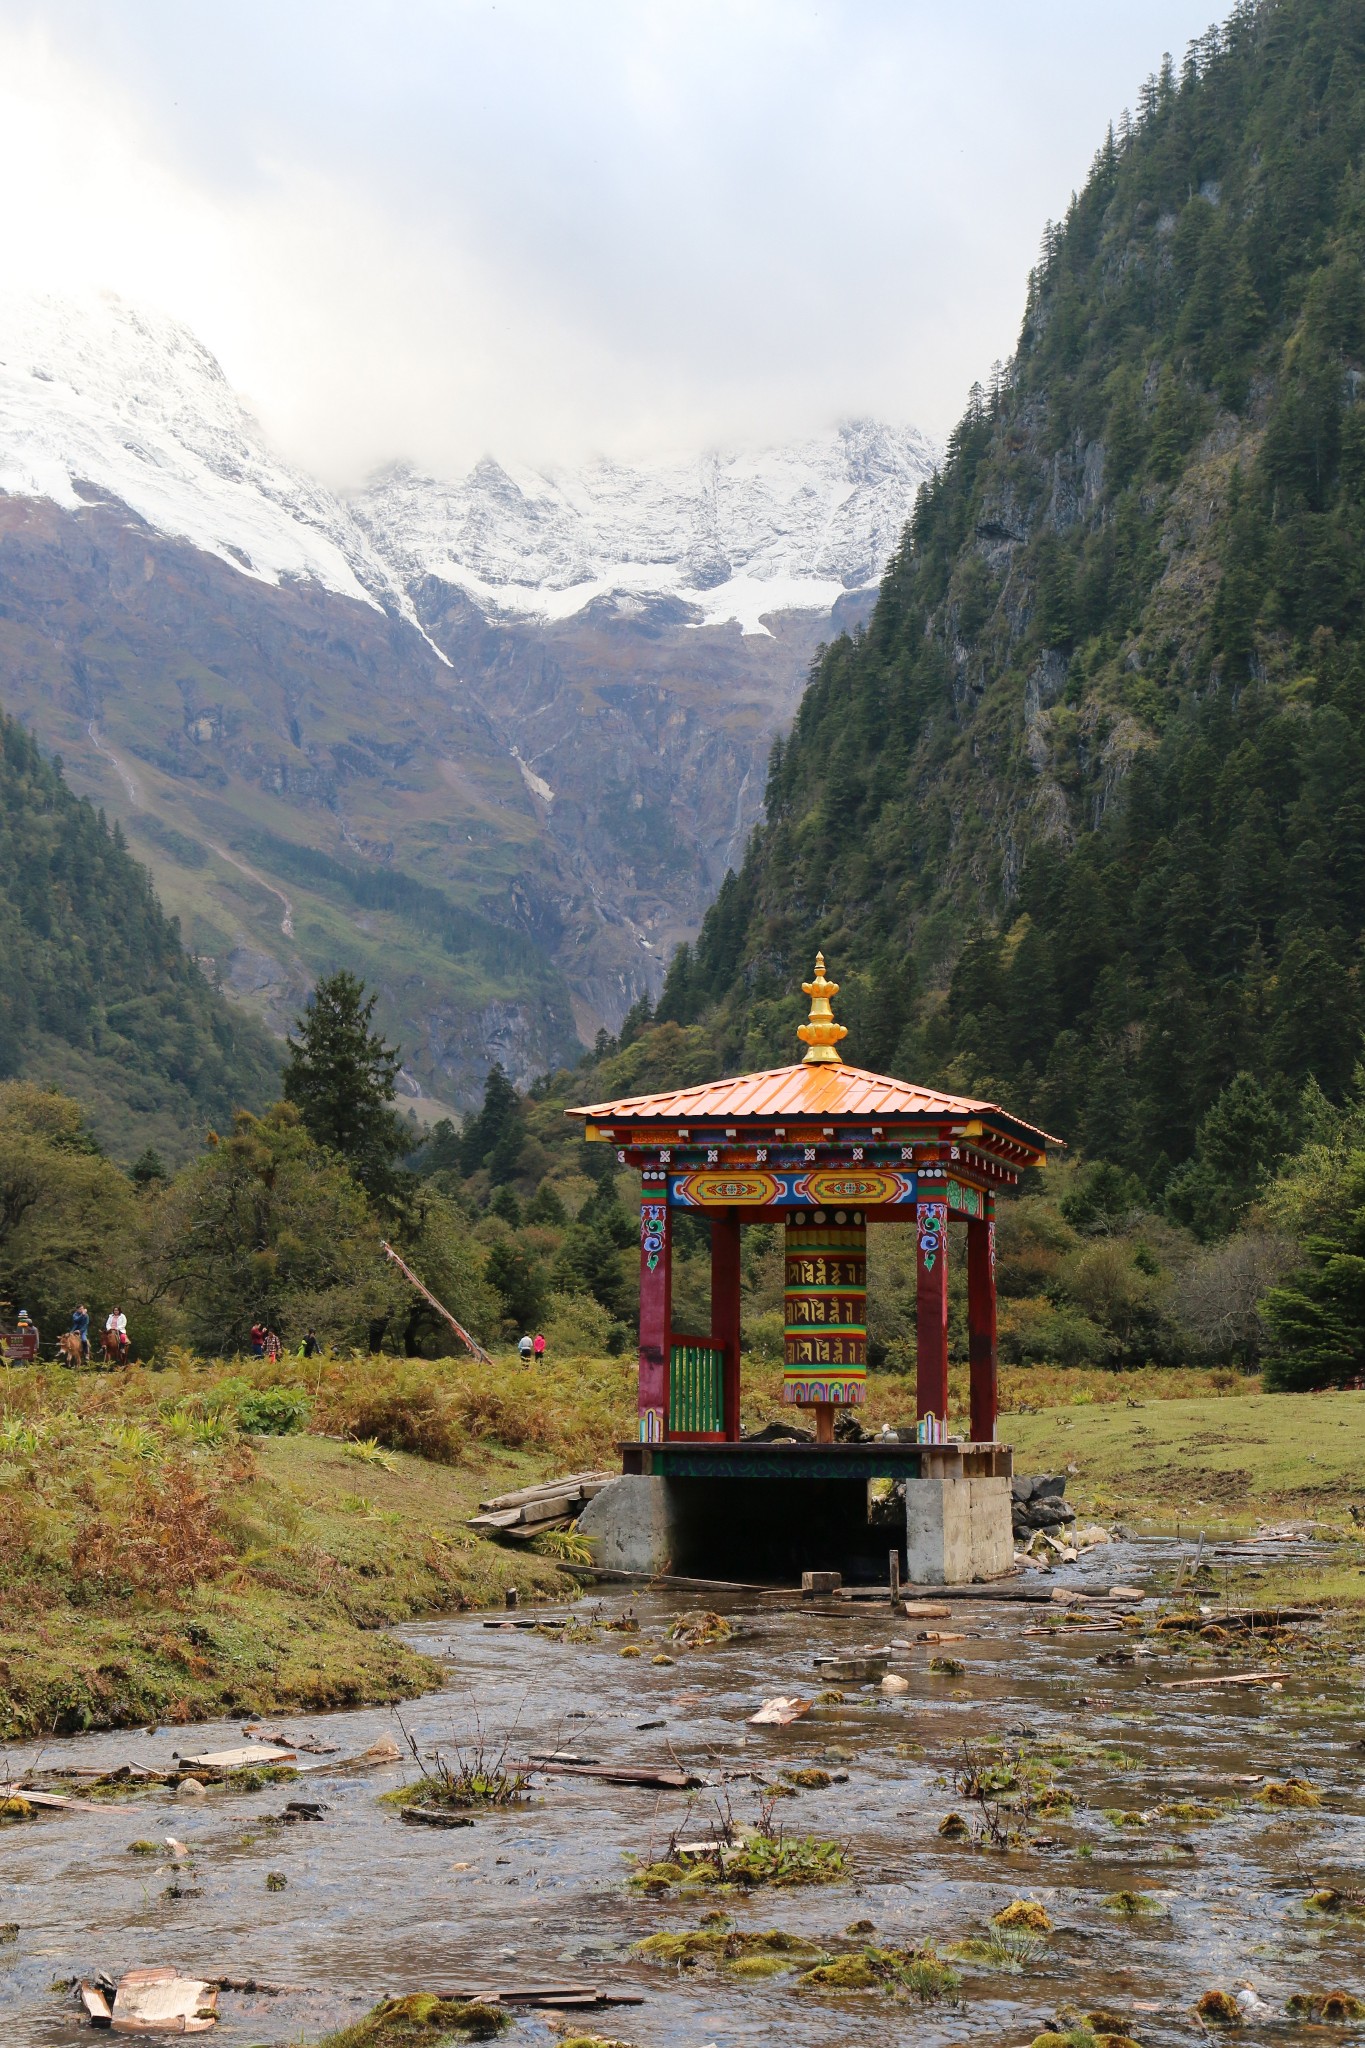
421	2020
1025	1913
764	1860
722	1946
1133	1905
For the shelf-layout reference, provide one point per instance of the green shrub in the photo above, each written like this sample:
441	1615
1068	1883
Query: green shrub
272	1411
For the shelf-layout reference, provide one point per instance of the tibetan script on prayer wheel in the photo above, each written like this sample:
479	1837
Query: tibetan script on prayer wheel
825	1309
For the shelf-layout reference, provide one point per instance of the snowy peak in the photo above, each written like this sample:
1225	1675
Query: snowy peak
734	534
98	398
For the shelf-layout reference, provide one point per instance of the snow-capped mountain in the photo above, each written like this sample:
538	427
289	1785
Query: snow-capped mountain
733	535
523	689
101	399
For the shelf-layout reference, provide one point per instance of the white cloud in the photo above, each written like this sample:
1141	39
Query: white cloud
625	225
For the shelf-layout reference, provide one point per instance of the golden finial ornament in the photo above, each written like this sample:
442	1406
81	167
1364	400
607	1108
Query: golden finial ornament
821	1033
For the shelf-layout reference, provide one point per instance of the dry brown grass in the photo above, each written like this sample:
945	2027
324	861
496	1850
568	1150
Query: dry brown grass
159	1535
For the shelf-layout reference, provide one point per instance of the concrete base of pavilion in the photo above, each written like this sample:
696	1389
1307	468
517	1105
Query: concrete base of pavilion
769	1512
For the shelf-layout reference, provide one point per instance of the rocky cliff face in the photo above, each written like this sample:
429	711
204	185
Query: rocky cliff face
493	742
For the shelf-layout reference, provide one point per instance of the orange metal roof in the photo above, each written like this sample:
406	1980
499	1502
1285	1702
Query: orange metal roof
800	1093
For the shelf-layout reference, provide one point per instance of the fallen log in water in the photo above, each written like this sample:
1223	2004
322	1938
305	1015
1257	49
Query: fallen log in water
665	1779
1222	1678
547	1994
615	1578
56	1800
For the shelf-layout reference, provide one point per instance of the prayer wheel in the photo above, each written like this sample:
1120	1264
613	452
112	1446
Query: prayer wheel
825	1313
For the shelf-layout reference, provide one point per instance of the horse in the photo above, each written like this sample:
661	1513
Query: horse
111	1347
70	1351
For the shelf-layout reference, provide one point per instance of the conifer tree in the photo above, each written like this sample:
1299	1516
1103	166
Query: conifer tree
341	1077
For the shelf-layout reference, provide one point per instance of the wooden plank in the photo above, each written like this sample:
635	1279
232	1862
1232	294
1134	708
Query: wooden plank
1223	1678
55	1800
96	2004
550	1508
615	1578
238	1759
569	1482
528	1531
549	1994
665	1779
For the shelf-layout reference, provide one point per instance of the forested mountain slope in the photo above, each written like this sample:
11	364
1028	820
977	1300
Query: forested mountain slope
98	995
1080	819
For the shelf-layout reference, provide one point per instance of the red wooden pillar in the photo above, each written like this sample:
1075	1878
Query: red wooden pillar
656	1312
931	1309
981	1351
725	1309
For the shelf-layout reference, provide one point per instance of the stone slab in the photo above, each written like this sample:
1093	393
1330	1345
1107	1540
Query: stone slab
630	1524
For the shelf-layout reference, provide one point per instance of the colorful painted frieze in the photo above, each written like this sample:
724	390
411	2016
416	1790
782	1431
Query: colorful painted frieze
825	1310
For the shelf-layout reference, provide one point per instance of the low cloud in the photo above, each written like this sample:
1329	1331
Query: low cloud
621	227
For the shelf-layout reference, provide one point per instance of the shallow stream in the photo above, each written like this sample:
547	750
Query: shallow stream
371	1905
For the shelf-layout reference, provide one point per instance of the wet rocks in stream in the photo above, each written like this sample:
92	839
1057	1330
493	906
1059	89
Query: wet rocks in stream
1038	1503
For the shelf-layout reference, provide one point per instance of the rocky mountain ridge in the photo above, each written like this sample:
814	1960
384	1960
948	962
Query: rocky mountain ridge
732	536
401	722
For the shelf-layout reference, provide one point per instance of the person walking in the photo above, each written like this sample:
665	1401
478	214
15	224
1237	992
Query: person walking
258	1340
538	1346
309	1346
525	1350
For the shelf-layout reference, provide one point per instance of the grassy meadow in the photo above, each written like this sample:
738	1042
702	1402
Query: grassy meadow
232	1536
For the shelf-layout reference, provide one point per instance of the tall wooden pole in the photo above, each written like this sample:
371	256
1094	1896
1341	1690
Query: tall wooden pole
725	1240
931	1309
656	1313
981	1346
470	1344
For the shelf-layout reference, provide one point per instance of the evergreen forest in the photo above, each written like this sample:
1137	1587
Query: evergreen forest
98	995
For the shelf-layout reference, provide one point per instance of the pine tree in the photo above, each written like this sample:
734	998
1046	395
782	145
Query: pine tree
341	1076
494	1138
1317	1318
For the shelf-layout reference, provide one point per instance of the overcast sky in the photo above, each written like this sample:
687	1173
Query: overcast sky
545	228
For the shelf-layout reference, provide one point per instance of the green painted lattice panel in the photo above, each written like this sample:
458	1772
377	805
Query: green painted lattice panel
696	1390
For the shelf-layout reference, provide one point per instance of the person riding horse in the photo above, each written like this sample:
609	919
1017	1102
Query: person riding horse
116	1337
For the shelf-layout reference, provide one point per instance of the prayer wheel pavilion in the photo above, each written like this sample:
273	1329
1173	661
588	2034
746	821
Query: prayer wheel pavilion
823	1149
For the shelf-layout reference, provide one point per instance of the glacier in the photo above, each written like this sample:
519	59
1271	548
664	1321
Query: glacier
733	535
103	400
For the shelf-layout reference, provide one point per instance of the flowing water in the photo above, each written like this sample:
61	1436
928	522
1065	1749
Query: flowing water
371	1905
